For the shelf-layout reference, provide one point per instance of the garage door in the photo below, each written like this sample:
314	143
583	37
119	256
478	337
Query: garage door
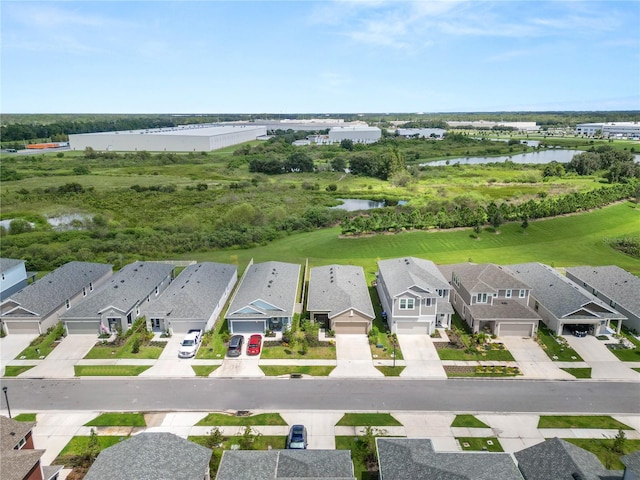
184	327
83	327
411	328
350	327
248	326
515	330
22	327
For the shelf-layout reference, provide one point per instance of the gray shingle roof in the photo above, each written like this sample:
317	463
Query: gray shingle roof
12	431
9	263
484	278
337	288
502	310
123	291
151	456
559	295
556	459
613	281
16	464
414	458
632	462
275	283
194	293
285	464
400	274
50	292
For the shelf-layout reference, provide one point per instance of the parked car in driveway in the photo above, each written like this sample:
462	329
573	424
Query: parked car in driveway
297	438
254	344
580	330
235	346
197	332
189	346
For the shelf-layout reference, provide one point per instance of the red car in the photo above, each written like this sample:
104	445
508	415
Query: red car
255	342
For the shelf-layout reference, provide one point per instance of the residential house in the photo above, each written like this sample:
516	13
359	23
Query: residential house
556	459
19	460
562	303
415	458
613	285
631	464
491	299
117	304
285	465
339	299
13	276
39	305
152	456
265	299
414	295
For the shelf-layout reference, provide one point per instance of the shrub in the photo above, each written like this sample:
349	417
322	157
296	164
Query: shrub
135	346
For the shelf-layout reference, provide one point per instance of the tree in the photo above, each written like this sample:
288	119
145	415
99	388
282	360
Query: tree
365	451
338	164
247	438
347	144
298	162
496	219
18	226
525	222
214	438
619	442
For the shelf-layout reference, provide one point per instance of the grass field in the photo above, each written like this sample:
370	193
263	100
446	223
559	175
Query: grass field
580	421
109	370
115	419
368	419
221	419
313	370
78	445
25	417
601	447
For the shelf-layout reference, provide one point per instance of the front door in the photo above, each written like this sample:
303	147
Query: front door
114	323
157	324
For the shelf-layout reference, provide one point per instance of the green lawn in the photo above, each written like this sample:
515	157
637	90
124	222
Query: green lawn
459	354
124	351
490	444
222	419
15	370
25	417
78	445
213	348
601	448
579	372
118	420
368	419
482	371
581	421
109	370
390	371
628	354
317	353
560	352
204	370
313	370
385	351
42	345
261	442
468	421
359	469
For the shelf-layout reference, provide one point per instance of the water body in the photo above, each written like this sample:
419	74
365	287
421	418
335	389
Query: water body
70	221
354	204
543	156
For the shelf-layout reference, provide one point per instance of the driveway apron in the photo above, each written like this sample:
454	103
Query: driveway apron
11	346
320	427
354	357
59	363
604	364
421	357
169	364
532	360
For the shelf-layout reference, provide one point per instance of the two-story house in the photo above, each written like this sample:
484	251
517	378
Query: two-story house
414	295
13	276
491	299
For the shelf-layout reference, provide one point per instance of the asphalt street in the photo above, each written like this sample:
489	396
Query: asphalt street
209	394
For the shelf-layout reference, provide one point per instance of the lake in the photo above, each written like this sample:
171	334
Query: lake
353	204
543	156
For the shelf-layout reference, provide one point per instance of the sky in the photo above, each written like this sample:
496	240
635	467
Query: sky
328	56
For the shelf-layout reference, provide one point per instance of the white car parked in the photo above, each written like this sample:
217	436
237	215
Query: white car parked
189	345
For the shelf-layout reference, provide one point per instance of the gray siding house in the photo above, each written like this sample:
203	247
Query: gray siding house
339	299
265	299
414	295
119	301
613	285
193	300
490	298
562	303
40	305
13	276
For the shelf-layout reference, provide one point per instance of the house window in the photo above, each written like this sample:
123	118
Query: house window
508	294
536	307
21	443
3	276
91	286
427	302
67	303
440	293
481	298
456	280
84	291
522	294
406	303
612	303
595	292
156	290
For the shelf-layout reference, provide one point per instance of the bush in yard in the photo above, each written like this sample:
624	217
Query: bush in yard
135	346
373	335
247	439
365	450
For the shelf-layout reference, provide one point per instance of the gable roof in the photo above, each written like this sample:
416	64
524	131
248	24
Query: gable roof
151	456
285	465
561	296
409	458
9	263
337	288
47	294
632	462
123	291
195	293
12	431
401	274
275	283
561	460
614	282
483	278
16	464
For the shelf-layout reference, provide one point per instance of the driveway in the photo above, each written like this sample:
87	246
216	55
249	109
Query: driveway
320	427
242	366
532	360
354	357
421	357
604	364
11	346
169	364
59	363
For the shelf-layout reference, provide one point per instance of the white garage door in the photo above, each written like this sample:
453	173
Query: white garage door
22	327
247	326
411	328
515	330
184	327
350	327
83	327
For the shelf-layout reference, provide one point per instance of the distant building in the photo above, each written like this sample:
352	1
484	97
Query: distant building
611	129
522	126
421	132
358	134
14	276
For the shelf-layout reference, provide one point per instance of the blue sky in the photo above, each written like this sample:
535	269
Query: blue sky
325	57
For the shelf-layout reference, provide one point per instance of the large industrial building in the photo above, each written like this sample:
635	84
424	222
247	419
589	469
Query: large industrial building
611	129
357	134
185	138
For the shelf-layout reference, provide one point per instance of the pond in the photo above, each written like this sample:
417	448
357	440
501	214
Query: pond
354	204
69	221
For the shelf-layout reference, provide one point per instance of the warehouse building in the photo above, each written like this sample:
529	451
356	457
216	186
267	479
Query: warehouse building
358	134
185	138
611	129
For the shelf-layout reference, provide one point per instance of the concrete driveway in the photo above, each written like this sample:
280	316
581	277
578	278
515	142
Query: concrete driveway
604	364
169	364
242	366
421	357
354	357
11	346
320	427
532	360
59	363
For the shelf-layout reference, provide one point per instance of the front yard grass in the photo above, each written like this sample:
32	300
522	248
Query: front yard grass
326	352
359	468
490	444
78	446
151	351
224	420
468	349
109	370
261	442
313	370
390	371
459	354
581	421
25	417
204	370
15	370
118	420
579	372
628	354
481	371
213	346
380	328
468	421
42	345
561	352
368	420
601	447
